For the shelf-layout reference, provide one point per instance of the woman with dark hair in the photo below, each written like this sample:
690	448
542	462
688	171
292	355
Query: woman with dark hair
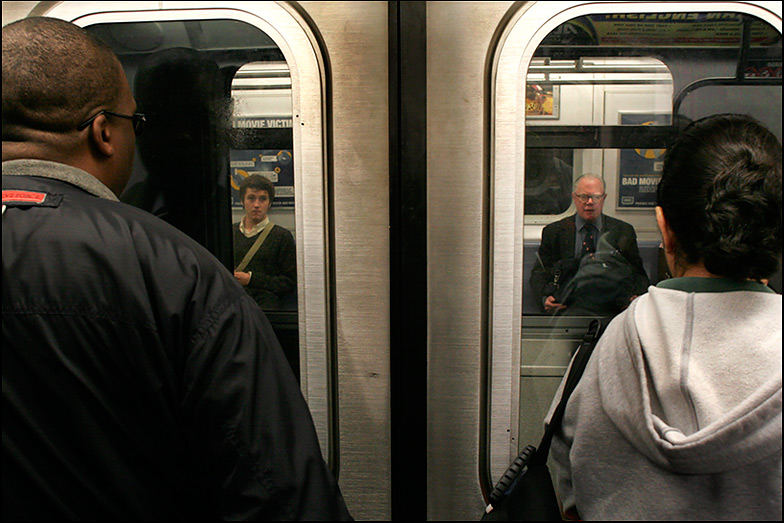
678	414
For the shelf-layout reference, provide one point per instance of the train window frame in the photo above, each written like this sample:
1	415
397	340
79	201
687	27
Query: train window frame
308	64
526	25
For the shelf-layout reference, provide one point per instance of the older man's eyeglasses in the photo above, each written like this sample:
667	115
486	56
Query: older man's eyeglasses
595	197
138	119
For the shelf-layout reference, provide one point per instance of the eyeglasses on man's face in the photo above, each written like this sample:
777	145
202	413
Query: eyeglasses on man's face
595	197
138	120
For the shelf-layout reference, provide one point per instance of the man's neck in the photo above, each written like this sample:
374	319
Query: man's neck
58	171
249	230
73	156
248	222
582	221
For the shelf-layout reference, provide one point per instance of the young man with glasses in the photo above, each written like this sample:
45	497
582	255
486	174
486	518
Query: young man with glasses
140	381
573	243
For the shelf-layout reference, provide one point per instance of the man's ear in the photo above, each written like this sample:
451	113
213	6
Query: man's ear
100	136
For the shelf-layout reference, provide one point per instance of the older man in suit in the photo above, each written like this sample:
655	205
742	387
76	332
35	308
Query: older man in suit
588	263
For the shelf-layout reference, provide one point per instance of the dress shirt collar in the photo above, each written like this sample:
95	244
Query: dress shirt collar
256	228
579	223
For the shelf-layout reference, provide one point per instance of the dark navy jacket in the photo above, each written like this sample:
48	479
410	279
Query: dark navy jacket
140	381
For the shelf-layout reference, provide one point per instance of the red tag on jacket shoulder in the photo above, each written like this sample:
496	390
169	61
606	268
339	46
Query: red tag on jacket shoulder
18	197
23	197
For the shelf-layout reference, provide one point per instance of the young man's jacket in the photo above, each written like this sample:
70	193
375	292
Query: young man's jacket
140	381
273	268
678	413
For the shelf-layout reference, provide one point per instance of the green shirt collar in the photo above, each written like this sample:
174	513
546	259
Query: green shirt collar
692	284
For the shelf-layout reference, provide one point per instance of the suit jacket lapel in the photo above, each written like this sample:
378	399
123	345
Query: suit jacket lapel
567	238
609	231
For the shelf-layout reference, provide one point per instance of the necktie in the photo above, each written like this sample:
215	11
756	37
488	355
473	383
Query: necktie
589	241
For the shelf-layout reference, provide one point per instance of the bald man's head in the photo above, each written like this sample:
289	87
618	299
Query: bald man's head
55	75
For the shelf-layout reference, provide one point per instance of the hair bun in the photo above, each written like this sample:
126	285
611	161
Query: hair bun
721	193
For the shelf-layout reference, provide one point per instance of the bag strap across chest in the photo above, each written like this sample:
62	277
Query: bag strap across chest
255	247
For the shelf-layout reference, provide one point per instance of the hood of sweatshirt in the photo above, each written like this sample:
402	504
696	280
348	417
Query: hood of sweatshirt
695	384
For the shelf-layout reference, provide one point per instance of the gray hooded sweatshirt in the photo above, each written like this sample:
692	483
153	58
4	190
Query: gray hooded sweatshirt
678	414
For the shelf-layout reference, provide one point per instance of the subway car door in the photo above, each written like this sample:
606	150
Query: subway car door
521	99
418	149
295	93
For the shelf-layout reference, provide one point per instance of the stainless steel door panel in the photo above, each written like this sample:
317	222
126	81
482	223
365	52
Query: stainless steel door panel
355	34
458	39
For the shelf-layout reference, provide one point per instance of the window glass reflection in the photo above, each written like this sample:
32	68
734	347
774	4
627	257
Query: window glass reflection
262	185
181	92
548	180
587	263
180	72
605	94
579	178
217	97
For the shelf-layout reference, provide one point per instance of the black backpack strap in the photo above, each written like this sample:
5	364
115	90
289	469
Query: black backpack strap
538	456
584	351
